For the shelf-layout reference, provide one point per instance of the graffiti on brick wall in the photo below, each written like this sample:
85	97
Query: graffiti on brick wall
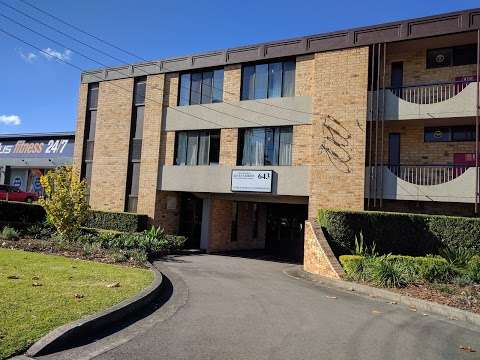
335	144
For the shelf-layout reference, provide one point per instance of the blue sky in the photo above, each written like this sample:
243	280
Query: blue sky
39	94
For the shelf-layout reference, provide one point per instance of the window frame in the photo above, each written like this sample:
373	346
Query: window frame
453	56
198	134
282	61
276	144
214	90
451	129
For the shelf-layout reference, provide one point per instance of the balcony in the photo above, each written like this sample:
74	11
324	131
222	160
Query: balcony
444	183
439	100
287	180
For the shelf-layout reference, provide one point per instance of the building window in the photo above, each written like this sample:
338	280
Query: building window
89	134
261	81
265	146
449	133
135	150
197	147
452	56
203	87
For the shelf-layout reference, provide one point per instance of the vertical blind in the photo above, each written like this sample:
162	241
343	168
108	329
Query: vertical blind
267	146
261	81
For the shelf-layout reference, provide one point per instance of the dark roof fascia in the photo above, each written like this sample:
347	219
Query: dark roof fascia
424	27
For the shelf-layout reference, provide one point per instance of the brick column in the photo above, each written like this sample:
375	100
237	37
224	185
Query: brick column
80	129
338	143
149	166
112	138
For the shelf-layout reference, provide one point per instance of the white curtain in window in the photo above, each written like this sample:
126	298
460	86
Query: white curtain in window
285	152
181	149
253	147
203	148
192	148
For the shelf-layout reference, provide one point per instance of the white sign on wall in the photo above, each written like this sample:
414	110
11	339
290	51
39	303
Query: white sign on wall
252	180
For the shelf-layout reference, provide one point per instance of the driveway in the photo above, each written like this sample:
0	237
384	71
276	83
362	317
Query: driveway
240	308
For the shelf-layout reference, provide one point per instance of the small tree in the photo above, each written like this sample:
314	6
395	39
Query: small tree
65	200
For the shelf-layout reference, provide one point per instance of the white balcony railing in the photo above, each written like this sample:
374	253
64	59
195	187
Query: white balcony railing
444	183
429	93
440	100
427	174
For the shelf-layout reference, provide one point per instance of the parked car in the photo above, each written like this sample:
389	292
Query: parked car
13	193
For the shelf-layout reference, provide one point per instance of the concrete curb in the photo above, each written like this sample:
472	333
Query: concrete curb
421	305
93	323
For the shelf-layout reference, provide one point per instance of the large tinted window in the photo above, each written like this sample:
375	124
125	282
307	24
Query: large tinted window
450	133
452	56
265	146
197	147
276	79
201	87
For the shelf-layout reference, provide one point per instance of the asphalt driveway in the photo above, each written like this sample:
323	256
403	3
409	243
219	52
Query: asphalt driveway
239	308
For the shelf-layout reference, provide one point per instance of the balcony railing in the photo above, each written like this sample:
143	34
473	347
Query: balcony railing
429	93
427	174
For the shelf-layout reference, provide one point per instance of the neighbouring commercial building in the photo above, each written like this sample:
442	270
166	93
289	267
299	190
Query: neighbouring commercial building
24	158
236	148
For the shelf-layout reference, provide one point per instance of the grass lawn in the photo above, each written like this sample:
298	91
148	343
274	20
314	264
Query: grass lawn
52	290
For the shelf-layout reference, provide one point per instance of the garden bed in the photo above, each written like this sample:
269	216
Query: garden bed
74	250
461	297
40	292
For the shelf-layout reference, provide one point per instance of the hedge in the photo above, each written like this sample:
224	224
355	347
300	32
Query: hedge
398	233
18	214
119	221
398	270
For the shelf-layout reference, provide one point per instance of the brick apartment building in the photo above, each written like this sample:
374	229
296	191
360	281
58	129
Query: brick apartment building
237	148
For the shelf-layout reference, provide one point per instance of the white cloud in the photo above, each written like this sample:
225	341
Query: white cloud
10	119
50	54
28	57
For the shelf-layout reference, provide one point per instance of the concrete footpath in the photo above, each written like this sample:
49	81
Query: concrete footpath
236	308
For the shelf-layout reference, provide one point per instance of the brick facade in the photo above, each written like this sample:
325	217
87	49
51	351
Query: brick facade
112	138
338	141
151	142
80	127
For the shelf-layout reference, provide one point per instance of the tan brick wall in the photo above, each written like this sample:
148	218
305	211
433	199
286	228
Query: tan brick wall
304	75
112	137
171	89
221	215
232	82
228	146
151	141
338	142
80	127
166	215
167	150
413	149
318	256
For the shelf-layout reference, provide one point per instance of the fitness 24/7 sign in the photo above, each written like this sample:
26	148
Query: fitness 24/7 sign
48	148
252	181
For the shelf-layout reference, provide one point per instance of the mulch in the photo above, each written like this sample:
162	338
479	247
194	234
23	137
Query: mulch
462	297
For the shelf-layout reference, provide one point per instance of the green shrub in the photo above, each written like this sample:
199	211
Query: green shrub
473	269
397	233
9	233
386	272
436	269
398	270
40	230
119	221
353	266
13	213
457	256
